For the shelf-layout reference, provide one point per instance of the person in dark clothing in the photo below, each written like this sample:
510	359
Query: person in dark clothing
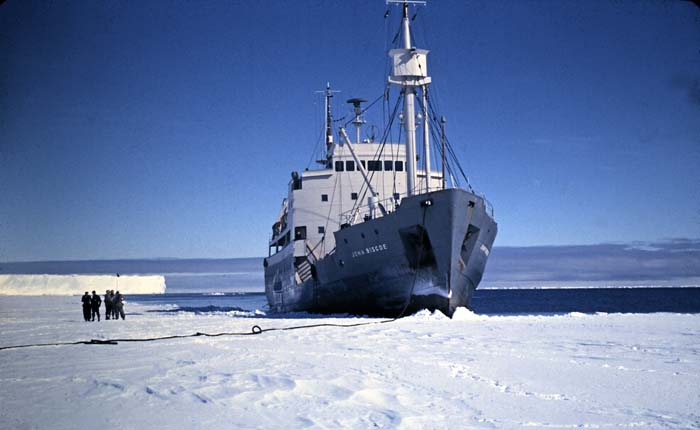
118	303
115	313
87	304
96	301
108	305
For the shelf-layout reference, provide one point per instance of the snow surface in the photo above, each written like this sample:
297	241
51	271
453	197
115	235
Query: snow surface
425	371
56	285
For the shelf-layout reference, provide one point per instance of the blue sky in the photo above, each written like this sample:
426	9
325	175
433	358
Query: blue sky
169	129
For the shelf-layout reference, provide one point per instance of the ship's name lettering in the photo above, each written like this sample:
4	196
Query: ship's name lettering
369	250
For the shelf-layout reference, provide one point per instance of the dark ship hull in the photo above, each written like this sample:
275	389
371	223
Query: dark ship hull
429	253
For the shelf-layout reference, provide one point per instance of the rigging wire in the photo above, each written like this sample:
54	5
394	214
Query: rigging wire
434	136
319	119
315	151
328	217
378	154
397	156
448	145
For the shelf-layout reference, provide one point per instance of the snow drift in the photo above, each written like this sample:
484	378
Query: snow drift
563	372
55	285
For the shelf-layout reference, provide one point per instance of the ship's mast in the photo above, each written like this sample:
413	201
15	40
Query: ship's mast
328	93
358	122
329	131
409	71
409	115
426	138
442	142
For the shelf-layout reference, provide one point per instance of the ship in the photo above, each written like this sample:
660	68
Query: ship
382	228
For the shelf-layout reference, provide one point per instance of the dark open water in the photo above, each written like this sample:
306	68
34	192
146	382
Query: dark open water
489	302
202	285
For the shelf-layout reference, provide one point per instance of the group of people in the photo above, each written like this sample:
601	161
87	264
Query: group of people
114	305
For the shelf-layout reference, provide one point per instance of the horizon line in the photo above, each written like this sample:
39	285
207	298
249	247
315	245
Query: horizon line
634	244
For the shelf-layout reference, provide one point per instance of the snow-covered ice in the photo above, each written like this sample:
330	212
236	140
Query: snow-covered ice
425	371
34	285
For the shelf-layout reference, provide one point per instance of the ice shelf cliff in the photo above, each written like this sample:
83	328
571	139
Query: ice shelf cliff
36	285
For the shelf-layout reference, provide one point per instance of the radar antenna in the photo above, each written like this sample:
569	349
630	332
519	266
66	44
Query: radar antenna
358	122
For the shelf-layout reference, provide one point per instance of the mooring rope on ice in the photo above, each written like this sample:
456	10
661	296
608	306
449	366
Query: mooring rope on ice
255	330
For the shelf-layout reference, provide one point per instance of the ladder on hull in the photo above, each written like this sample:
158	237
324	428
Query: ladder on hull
303	270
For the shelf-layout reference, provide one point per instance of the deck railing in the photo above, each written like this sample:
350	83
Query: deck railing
360	212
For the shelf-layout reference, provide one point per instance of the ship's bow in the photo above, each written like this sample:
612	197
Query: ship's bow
448	247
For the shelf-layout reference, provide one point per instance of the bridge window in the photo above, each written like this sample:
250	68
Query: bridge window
300	232
324	197
338	166
353	196
388	165
321	229
364	163
374	166
399	166
350	166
